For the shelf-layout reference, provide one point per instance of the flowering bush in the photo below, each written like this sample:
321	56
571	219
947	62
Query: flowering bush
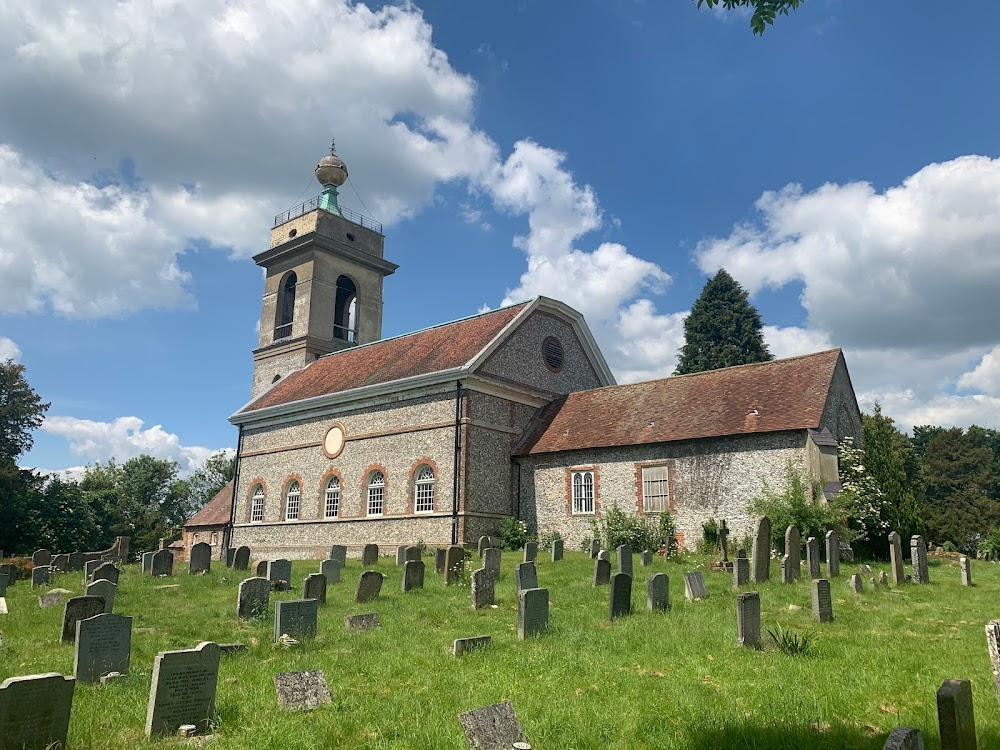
513	533
860	499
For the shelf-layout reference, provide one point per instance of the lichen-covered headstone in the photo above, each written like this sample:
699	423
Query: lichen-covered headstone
526	576
483	588
694	586
412	554
904	738
107	571
658	592
955	716
602	572
200	560
483	545
413	575
748	619
60	563
315	588
79	608
530	551
369	555
793	548
993	646
883	579
253	598
646	558
459	646
103	645
812	557
966	571
183	689
39	576
896	558
104	589
623	556
302	691
832	554
454	564
241	560
260	569
75	562
295	618
359	623
822	603
89	567
34	711
369	586
761	554
918	558
620	600
230	557
493	727
491	560
787	573
856	583
439	555
532	612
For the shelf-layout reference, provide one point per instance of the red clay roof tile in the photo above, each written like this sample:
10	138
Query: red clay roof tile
216	511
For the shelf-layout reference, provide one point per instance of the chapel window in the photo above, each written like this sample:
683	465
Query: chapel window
583	491
257	505
332	506
292	502
376	493
423	490
655	489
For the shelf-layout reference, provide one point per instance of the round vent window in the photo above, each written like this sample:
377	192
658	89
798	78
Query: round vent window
333	443
293	232
552	351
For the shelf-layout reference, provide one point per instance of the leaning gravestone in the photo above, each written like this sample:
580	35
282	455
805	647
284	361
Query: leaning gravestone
279	571
761	565
34	711
483	588
993	646
454	564
413	575
595	548
302	691
106	590
460	646
369	586
793	548
79	608
620	601
359	623
40	576
183	689
966	571
822	603
162	563
904	738
201	558
339	552
491	560
295	618
493	727
260	569
557	549
369	555
106	571
526	576
787	572
331	569
748	619
812	557
439	554
412	554
832	554
856	584
241	560
147	562
741	572
918	558
694	586
315	587
623	556
896	558
532	612
530	551
400	554
41	557
658	592
253	598
103	645
955	716
602	572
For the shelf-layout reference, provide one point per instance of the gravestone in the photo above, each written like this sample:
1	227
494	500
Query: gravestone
787	572
526	576
694	586
295	618
904	738
993	646
460	646
602	572
241	560
832	554
260	569
454	564
865	571
400	554
955	716
107	571
45	600
532	612
658	592
896	558
604	555
557	549
413	575
918	559
595	548
331	569
200	560
41	557
89	567
103	645
966	571
3	583
741	554
483	588
315	588
741	572
812	557
483	545
856	583
339	552
359	623
106	590
623	556
183	689
748	619
253	598
79	608
279	571
39	576
724	544
793	548
302	691
9	571
147	562
491	560
493	727
34	711
230	557
883	579
822	604
646	558
760	570
74	562
412	554
162	563
530	551
439	555
59	562
369	555
620	601
369	586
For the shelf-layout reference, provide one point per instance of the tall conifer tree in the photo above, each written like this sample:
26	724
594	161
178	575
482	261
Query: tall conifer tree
723	329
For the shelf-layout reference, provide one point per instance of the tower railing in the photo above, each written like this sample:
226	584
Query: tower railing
311	205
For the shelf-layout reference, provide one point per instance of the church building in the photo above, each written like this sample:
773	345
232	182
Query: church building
437	435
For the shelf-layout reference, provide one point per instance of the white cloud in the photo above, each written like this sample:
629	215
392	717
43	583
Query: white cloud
945	410
985	377
793	341
9	350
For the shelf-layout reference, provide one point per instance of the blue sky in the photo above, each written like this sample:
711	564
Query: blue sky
845	167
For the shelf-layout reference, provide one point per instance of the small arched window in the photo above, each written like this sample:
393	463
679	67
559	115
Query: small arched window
292	502
423	490
286	308
257	505
345	322
332	506
376	493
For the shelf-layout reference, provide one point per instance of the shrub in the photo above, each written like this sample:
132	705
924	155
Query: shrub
545	541
990	545
709	541
667	533
791	643
513	533
949	547
616	527
793	505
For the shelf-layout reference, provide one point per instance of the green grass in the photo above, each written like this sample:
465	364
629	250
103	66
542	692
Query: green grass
670	680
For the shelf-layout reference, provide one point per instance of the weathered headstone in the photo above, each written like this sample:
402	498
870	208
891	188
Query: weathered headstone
620	600
658	592
79	608
761	561
865	571
183	689
358	623
955	716
230	557
604	555
964	564
89	567
75	562
46	600
41	557
918	558
493	727
483	545
331	569
369	555
896	558
787	571
646	558
741	572
904	738
369	586
483	588
856	583
60	563
106	590
723	544
557	549
491	560
532	612
454	563
748	619
459	646
602	572
200	560
883	579
339	552
812	557
694	586
279	572
9	571
623	556
822	603
793	548
241	560
741	554
147	562
260	569
400	554
413	575
107	571
315	588
39	576
526	576
412	554
530	551
295	618
595	548
439	555
162	563
34	711
832	554
302	691
993	646
103	645
3	583
253	599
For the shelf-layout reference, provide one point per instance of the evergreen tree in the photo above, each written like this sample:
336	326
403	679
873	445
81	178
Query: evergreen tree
888	458
722	330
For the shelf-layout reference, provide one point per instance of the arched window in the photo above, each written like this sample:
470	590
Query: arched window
332	507
376	493
583	491
423	490
257	505
345	323
286	308
292	501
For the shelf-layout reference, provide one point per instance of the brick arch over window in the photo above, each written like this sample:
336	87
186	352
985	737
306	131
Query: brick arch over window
323	480
364	488
257	482
411	494
284	495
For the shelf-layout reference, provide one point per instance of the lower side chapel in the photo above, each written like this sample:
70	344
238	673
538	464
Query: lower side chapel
437	435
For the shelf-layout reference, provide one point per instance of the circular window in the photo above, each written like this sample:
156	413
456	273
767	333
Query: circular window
350	237
333	443
293	232
552	352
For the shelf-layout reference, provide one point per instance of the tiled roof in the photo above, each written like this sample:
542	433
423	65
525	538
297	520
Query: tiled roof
216	511
784	394
432	350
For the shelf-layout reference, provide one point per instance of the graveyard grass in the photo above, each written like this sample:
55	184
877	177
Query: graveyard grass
652	680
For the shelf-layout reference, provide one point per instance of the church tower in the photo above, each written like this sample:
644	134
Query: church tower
323	281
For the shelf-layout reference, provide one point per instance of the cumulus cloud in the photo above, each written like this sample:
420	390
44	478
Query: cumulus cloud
985	376
793	341
9	350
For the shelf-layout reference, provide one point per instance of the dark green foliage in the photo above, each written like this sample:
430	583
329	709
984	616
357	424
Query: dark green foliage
512	532
764	11
709	537
791	643
722	330
616	527
21	411
794	505
206	482
891	462
990	545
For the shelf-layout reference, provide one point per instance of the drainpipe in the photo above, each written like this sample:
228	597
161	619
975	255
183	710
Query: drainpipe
458	460
227	534
517	496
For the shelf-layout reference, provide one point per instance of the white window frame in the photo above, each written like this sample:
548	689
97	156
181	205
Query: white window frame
655	489
214	538
257	505
376	494
293	501
423	490
331	507
582	488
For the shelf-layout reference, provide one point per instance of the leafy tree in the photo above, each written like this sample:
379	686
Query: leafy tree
722	330
764	11
794	505
890	461
21	411
861	500
206	482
